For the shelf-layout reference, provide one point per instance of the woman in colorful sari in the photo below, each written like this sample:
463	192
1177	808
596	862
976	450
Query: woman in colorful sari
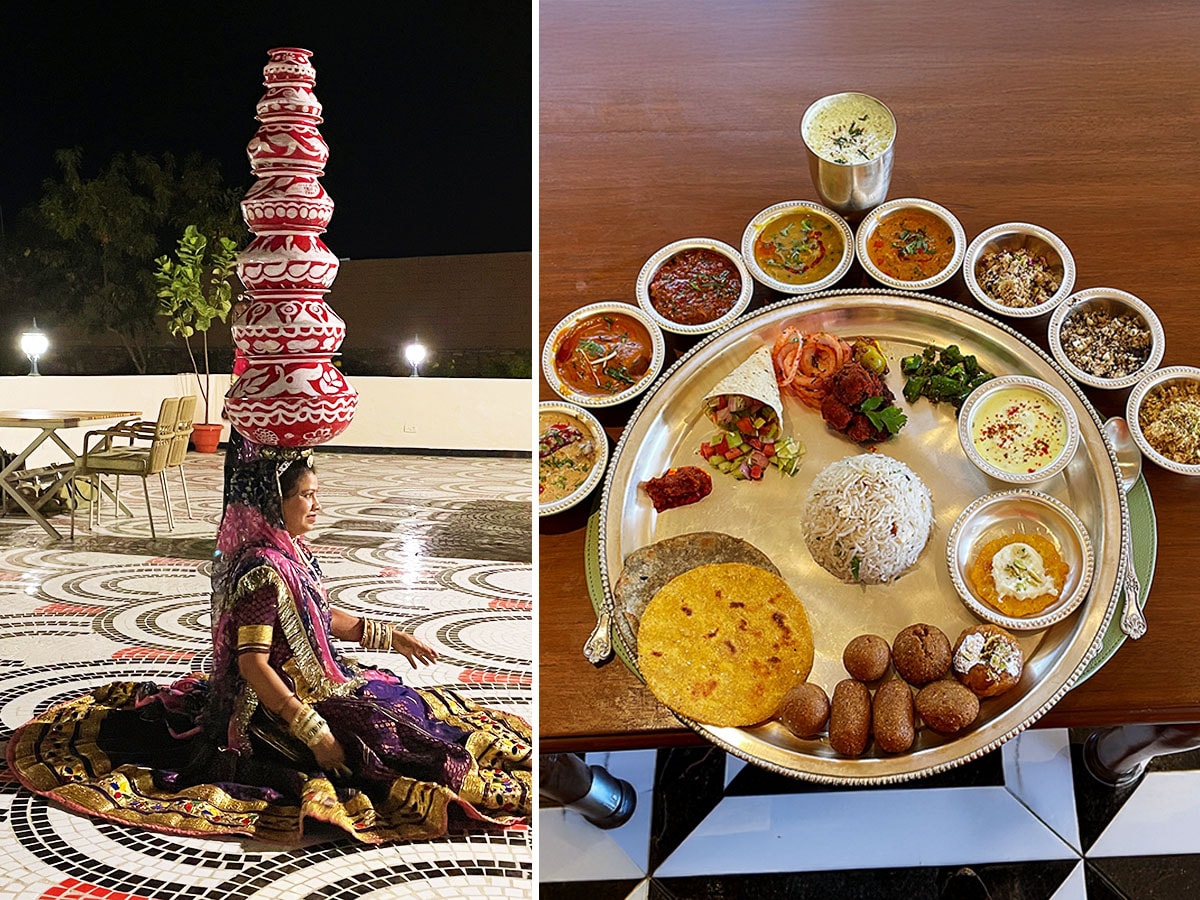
286	727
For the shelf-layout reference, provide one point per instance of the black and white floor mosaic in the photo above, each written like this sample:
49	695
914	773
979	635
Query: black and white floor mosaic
1025	822
440	544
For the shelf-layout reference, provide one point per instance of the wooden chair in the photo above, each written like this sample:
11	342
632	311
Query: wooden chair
179	445
106	458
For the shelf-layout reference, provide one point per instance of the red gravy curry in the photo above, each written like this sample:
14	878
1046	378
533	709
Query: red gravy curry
604	354
911	245
695	286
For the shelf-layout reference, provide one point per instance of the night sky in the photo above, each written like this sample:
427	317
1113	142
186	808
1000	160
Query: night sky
428	106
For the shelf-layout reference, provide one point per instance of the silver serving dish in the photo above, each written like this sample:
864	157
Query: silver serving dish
866	230
1021	511
1115	303
1015	236
668	426
652	265
595	431
564	390
1133	414
768	215
966	423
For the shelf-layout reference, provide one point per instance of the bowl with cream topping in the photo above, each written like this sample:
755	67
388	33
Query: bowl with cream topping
1019	270
1018	429
1163	412
1106	338
1020	559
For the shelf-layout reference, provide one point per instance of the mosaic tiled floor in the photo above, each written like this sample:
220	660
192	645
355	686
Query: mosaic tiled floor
440	544
1025	822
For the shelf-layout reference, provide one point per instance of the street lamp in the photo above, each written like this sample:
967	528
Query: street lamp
33	345
415	354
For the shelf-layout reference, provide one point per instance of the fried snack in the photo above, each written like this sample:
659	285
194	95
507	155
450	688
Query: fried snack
850	717
921	654
722	644
867	657
988	660
947	707
892	714
804	710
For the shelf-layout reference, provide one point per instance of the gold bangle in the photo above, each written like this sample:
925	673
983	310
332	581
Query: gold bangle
376	635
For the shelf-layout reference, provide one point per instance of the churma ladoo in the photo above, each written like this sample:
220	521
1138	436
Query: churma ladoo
723	644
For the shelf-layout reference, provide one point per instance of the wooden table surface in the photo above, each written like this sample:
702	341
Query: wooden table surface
664	120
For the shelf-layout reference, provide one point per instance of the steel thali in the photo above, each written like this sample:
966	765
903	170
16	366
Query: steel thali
668	426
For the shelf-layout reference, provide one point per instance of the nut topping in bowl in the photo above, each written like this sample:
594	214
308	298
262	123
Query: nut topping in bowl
694	286
1106	338
1163	412
1019	270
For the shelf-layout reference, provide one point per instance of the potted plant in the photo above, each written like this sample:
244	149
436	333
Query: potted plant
194	289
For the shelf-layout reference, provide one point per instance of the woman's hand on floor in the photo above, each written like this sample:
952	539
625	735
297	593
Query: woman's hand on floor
412	648
330	755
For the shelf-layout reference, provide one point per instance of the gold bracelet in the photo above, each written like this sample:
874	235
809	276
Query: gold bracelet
376	635
309	727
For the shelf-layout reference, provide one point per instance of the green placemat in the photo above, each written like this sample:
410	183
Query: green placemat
1145	552
1144	527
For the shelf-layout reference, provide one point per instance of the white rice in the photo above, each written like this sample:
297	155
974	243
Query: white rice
867	518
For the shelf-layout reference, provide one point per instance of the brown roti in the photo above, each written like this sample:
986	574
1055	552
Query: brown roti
648	568
722	644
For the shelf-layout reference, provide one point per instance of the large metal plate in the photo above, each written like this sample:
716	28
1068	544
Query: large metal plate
667	427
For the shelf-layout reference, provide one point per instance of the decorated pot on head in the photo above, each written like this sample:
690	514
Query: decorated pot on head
296	323
291	401
287	204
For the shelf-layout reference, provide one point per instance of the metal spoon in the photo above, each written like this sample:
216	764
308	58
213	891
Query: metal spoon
598	647
1129	461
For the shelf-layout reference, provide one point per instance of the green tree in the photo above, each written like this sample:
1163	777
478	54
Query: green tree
194	290
103	233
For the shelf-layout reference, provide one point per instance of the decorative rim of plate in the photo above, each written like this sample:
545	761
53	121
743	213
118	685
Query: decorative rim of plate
727	738
652	265
658	354
596	474
1061	609
972	257
1009	381
870	222
1136	304
756	225
1133	408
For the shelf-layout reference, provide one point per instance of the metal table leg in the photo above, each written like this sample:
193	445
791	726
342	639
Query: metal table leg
591	791
1119	756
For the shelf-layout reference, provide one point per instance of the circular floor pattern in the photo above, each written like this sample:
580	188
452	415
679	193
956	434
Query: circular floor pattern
490	579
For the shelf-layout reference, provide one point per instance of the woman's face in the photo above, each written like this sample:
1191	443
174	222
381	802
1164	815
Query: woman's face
300	507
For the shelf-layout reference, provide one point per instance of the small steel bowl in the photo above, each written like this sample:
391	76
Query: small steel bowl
591	426
870	224
1172	375
658	353
1021	511
768	215
1015	236
1115	303
655	262
978	399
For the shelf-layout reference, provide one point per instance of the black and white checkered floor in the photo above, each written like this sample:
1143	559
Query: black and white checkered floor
440	544
1026	821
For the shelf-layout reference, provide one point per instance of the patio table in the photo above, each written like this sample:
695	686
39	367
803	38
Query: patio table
48	422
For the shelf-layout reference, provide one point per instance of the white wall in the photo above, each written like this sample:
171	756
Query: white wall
417	413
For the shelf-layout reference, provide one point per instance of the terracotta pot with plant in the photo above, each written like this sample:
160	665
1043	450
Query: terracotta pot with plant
194	289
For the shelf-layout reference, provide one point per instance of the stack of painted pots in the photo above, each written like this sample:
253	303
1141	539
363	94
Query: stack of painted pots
290	394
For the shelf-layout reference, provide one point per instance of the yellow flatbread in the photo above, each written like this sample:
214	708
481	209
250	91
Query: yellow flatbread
722	644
